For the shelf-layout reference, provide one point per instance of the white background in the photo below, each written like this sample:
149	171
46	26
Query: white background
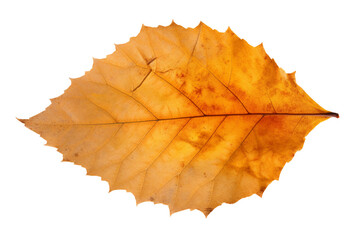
43	43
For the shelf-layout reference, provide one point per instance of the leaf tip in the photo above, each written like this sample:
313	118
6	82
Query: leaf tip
22	120
291	76
207	211
173	209
139	200
143	28
201	24
260	46
173	23
229	30
260	193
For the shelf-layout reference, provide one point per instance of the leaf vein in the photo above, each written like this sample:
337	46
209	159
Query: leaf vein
118	90
167	146
101	147
181	93
122	161
227	161
197	154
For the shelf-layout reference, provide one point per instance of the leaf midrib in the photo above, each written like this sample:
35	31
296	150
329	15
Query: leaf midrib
327	114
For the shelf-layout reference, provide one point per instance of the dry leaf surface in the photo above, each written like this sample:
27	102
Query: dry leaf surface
191	118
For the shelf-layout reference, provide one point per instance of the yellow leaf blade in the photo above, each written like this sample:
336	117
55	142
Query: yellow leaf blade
191	118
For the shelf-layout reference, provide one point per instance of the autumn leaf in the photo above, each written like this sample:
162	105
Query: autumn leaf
191	118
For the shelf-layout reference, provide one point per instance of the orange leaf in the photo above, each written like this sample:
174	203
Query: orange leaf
191	118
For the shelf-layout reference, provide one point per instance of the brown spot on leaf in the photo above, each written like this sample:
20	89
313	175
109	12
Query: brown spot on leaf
198	91
211	88
220	47
180	75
